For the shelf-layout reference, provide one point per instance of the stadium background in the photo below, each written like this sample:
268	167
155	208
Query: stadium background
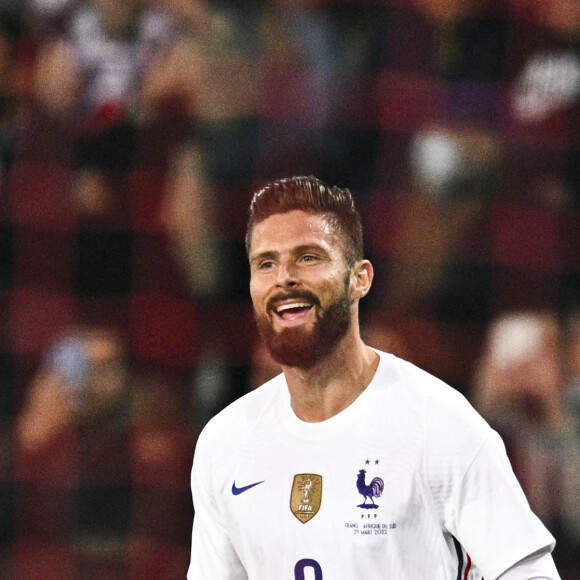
455	124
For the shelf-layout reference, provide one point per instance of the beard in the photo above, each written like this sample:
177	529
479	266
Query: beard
303	348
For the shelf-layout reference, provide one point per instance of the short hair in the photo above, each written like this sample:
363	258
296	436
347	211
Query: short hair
311	195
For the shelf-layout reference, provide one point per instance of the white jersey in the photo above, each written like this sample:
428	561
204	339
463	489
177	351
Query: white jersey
408	482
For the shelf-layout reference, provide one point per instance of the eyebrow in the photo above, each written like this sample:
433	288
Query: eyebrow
304	249
262	256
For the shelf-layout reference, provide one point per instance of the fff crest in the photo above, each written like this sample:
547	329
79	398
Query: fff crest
306	496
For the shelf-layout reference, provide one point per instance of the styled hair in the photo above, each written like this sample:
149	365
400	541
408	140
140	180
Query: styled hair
313	196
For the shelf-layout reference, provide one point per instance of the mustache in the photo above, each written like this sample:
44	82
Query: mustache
298	295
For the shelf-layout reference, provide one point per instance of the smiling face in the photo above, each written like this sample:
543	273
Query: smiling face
300	286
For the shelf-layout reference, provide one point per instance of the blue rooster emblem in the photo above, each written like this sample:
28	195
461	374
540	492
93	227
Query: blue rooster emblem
374	489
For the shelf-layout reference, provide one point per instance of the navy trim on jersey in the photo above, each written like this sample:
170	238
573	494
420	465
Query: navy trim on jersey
461	573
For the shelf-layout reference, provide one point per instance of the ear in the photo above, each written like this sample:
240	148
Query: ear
362	277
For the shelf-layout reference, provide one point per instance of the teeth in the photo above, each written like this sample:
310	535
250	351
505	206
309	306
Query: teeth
293	305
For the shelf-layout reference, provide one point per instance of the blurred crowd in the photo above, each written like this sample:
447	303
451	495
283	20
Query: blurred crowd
132	134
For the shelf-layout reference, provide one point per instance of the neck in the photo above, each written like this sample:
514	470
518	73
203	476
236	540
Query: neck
325	390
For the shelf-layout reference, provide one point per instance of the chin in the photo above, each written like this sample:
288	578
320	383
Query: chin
294	347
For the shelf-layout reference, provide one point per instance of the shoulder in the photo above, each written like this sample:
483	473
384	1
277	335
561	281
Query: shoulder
240	416
444	414
421	387
430	386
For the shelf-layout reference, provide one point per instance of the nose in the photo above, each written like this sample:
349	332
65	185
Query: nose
287	275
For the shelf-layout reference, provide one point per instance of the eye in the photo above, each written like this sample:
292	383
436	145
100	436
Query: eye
266	265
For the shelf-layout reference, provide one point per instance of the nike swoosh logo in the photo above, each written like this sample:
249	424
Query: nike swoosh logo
238	490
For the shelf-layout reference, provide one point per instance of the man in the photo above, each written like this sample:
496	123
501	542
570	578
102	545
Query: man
352	463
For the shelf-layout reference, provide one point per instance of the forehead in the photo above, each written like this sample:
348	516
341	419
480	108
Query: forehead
294	228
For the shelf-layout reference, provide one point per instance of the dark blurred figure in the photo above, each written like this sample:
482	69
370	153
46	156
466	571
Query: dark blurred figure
281	87
454	153
102	460
544	101
88	83
72	465
523	388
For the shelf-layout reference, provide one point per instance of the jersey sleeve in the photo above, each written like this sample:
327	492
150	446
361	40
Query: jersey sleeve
490	515
212	554
537	567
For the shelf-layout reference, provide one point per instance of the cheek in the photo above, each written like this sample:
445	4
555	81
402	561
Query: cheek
338	287
256	292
